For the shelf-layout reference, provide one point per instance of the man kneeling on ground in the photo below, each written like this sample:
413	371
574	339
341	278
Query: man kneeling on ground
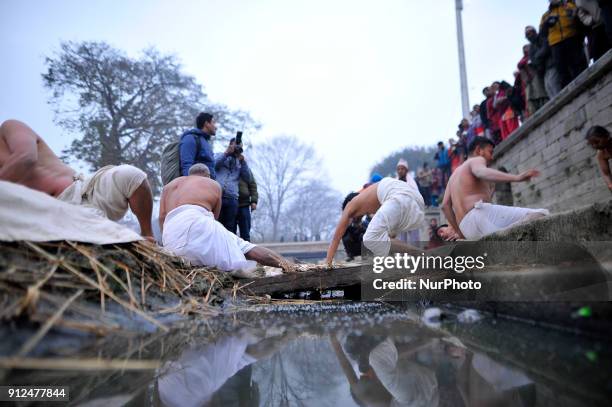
398	207
469	191
189	207
27	160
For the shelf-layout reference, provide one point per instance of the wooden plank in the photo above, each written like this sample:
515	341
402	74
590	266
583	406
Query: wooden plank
310	280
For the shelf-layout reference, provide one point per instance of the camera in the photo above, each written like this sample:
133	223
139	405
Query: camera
238	147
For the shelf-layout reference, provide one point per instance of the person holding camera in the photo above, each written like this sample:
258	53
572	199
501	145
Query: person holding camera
231	167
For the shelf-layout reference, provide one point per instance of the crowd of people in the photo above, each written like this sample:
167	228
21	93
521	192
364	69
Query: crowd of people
554	55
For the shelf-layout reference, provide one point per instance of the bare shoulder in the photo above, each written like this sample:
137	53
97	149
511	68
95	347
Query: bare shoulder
603	155
476	160
15	129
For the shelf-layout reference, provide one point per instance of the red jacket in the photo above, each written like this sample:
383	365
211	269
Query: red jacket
494	115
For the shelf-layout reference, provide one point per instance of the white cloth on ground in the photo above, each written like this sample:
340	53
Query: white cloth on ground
191	231
108	190
486	218
401	210
408	382
27	214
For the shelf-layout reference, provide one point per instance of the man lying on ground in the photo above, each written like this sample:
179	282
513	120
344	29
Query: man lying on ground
27	160
189	207
469	191
398	207
599	138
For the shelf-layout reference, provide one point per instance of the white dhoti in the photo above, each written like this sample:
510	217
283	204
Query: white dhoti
192	232
486	218
108	190
401	210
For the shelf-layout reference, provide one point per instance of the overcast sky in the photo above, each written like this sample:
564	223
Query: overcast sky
356	79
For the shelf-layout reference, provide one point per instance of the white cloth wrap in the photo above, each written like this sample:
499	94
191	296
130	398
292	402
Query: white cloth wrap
401	210
191	231
108	190
486	218
27	214
409	383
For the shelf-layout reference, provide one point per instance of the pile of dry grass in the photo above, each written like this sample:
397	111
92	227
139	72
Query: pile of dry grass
40	281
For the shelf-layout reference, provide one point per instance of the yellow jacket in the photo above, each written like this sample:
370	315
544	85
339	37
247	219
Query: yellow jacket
564	27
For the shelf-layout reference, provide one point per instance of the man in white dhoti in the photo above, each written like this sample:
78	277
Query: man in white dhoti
189	207
469	191
26	159
398	207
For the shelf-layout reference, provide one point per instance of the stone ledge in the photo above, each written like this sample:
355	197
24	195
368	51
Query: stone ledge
592	74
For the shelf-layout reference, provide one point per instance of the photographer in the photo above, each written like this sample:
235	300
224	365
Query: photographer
231	167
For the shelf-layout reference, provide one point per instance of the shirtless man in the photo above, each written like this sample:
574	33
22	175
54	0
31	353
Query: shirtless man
469	191
188	210
27	160
398	207
599	138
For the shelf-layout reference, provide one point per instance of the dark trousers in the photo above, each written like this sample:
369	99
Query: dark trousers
426	193
598	42
229	210
244	222
606	16
569	59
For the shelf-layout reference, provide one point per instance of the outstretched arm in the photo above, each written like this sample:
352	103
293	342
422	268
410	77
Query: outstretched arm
480	170
447	208
22	149
345	220
267	257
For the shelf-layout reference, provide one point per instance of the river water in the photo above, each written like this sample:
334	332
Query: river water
344	355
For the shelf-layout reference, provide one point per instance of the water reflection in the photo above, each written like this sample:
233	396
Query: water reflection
389	363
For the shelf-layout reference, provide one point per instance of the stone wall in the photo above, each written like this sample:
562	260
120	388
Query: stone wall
552	141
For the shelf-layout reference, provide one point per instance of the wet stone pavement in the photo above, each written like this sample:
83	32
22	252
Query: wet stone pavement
341	355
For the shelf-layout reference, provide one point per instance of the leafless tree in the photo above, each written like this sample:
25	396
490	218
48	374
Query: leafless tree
123	109
315	213
282	166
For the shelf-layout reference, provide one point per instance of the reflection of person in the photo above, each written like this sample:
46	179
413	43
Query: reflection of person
26	159
388	375
482	381
398	206
199	372
599	138
187	212
467	199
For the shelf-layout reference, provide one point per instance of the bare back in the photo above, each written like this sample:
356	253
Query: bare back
26	159
465	189
365	203
190	190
